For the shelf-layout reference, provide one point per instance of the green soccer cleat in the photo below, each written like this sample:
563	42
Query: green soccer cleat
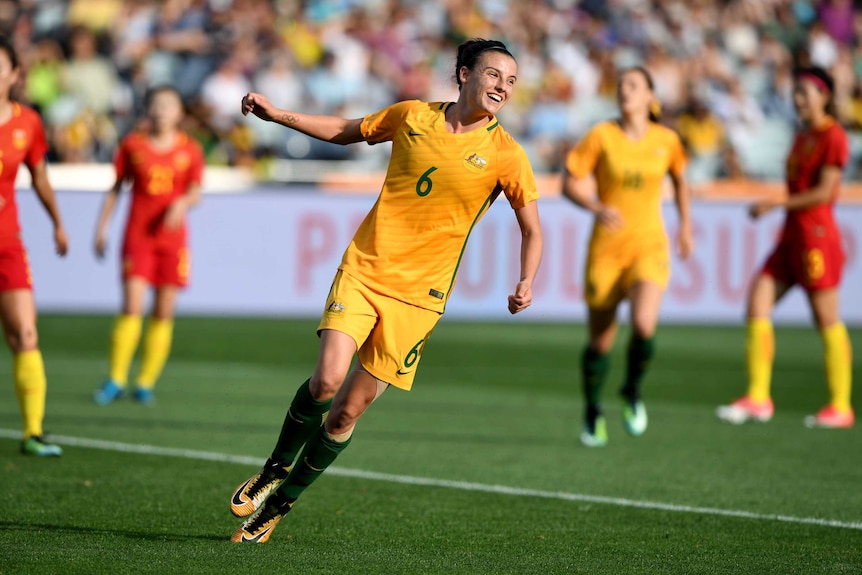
634	417
110	392
253	492
258	527
35	445
595	435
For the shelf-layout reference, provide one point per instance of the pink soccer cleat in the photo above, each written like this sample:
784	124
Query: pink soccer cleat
745	409
831	418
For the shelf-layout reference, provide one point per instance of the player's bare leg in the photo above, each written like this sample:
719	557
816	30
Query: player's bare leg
645	299
18	315
756	404
837	360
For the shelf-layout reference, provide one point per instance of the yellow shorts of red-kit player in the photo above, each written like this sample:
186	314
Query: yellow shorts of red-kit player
389	334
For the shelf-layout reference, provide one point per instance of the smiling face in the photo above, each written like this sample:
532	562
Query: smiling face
489	85
634	94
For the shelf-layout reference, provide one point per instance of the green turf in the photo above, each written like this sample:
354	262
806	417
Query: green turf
493	404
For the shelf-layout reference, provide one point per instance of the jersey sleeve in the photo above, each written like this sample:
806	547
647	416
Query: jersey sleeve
582	159
196	168
39	144
516	177
380	126
676	165
121	160
836	148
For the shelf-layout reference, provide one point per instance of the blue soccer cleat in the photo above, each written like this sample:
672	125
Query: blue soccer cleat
108	393
144	396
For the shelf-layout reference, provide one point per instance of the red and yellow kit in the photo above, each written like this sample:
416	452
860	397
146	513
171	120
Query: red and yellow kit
151	251
629	176
437	188
809	252
22	139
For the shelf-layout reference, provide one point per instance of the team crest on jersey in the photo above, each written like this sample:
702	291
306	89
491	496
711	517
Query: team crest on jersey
335	308
475	163
19	139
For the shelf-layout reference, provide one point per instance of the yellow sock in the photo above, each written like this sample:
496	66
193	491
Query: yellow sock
838	359
124	342
760	350
30	387
157	347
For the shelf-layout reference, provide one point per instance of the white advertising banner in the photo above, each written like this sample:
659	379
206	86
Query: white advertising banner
274	253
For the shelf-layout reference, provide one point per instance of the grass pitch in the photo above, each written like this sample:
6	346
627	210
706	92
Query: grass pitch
494	404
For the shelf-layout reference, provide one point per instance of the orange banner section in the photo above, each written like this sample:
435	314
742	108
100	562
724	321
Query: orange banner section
550	185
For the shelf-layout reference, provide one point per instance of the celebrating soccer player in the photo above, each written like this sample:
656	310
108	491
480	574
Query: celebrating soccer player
450	161
809	253
165	166
22	139
629	255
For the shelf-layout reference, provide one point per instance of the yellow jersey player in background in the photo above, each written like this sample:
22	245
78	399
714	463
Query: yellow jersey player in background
449	162
629	255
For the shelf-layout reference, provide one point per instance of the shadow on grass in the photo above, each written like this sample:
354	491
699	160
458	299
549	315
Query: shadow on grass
129	534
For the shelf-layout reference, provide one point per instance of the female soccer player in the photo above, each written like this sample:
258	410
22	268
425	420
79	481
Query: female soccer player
809	253
449	162
22	139
629	256
165	167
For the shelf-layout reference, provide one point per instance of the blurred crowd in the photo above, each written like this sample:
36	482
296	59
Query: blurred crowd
722	69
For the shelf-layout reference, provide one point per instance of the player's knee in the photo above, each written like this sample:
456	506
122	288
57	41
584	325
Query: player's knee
23	338
602	344
644	328
342	418
325	385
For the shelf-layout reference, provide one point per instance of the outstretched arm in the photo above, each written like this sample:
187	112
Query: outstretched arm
531	256
327	128
39	175
104	217
682	198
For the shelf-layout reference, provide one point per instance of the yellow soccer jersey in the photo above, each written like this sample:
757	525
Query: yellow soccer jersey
629	175
438	186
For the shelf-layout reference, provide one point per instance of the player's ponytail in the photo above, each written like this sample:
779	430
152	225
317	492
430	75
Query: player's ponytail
469	52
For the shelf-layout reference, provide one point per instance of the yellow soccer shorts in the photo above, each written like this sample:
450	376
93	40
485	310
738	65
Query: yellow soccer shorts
611	270
389	334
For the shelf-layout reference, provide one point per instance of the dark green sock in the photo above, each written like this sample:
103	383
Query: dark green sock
320	451
303	418
640	353
594	370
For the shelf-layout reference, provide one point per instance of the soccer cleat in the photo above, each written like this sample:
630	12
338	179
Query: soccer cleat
110	392
634	417
144	396
595	435
254	491
258	527
745	409
35	445
831	418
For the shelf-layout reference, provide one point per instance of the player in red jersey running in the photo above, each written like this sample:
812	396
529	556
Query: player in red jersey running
809	253
22	140
165	166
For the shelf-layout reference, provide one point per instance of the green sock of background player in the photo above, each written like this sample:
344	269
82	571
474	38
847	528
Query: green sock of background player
641	351
594	370
303	418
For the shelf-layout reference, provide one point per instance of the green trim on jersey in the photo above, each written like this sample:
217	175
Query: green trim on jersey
488	201
494	125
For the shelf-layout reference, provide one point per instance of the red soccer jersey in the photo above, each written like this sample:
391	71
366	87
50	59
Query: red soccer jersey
158	178
22	139
812	150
